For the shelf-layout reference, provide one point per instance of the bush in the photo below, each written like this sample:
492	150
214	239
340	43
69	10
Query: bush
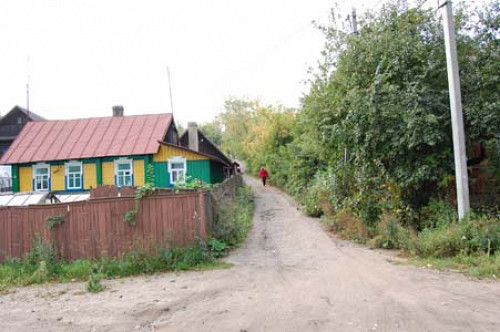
391	234
94	284
437	214
469	236
349	226
445	241
234	219
41	251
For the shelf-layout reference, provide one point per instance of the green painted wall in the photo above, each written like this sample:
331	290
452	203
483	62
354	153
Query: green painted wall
196	169
15	178
199	169
98	167
162	178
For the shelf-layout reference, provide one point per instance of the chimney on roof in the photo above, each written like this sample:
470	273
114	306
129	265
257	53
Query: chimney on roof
118	110
193	136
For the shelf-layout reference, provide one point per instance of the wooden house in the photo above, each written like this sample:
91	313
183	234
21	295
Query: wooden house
77	155
11	125
194	139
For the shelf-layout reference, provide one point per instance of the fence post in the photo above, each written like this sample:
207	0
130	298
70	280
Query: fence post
202	213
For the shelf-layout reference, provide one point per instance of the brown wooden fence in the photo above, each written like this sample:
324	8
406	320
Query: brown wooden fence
96	227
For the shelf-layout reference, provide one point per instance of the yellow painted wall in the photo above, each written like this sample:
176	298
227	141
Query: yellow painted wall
89	176
57	177
25	179
108	173
138	172
166	152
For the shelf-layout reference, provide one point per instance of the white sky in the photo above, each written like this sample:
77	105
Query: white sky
87	55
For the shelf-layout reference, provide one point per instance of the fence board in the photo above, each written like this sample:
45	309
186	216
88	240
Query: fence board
97	227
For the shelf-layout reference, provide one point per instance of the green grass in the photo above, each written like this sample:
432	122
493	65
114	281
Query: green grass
15	273
477	266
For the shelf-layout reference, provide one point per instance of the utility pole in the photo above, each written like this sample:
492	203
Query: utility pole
354	21
457	119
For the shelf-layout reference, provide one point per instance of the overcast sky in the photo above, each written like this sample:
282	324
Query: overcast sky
82	57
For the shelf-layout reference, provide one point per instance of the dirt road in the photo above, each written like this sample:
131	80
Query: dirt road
290	276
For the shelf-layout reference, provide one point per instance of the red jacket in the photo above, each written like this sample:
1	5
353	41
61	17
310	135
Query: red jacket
263	173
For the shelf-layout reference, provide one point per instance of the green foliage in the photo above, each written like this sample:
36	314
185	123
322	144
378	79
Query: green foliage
234	219
469	236
213	131
41	274
94	284
373	133
140	192
391	234
41	265
217	247
190	183
41	251
438	214
150	176
53	221
477	266
130	217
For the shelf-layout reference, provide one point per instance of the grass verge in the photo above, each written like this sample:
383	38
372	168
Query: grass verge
477	266
470	246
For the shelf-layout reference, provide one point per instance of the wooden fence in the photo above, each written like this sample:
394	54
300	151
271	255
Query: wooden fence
96	227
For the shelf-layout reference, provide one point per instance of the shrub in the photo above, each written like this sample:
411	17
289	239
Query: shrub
437	213
94	284
469	236
349	226
41	251
234	218
391	234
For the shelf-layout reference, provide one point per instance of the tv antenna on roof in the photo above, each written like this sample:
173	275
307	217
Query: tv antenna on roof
28	85
170	91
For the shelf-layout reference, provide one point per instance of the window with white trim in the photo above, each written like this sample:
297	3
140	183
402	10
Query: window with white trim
41	177
74	175
123	172
177	169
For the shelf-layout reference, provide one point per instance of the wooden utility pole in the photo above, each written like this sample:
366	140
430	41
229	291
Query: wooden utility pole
457	119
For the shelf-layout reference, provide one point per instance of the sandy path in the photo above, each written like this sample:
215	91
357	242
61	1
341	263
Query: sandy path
289	277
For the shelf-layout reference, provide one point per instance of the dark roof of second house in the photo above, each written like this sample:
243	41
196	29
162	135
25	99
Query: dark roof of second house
205	146
31	115
88	138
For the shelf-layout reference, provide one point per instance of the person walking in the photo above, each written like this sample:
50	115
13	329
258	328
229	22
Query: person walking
263	175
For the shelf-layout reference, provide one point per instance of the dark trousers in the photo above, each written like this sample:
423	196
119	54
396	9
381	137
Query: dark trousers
264	181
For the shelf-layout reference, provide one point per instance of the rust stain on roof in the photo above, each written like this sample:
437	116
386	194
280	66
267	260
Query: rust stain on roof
88	138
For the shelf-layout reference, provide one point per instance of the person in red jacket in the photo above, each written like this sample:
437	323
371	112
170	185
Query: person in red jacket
263	175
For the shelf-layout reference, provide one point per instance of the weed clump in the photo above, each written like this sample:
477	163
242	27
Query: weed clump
233	221
94	284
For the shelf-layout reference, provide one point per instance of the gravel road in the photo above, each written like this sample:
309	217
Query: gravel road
290	276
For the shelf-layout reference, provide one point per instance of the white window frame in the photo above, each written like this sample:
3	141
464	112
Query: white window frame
171	172
122	161
67	174
36	167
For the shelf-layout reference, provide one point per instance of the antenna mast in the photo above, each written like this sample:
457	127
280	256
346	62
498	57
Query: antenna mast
28	86
170	90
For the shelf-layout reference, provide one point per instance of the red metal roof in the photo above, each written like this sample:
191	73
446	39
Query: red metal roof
88	138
